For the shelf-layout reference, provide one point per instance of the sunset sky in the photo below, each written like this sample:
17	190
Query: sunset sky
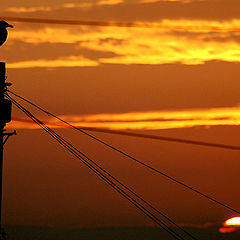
175	74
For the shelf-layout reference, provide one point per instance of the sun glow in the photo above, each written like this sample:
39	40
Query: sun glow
230	225
232	222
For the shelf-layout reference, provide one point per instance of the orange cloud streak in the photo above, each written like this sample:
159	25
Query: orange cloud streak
227	230
149	120
72	61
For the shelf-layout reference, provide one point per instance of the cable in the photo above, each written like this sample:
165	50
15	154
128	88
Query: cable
142	200
56	137
169	139
122	24
133	158
76	152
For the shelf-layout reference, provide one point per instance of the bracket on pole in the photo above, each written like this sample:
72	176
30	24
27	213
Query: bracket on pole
8	136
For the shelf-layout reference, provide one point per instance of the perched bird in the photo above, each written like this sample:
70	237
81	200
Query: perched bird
3	31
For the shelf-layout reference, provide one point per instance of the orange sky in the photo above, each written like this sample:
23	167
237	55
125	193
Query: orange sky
181	80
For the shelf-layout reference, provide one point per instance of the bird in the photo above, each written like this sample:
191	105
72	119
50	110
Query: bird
3	31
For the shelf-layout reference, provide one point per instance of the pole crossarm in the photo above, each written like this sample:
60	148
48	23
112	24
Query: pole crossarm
8	136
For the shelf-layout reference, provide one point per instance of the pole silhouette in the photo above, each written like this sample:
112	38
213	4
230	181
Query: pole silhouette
5	117
2	125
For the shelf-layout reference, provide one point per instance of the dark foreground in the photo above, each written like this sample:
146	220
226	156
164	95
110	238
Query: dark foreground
113	233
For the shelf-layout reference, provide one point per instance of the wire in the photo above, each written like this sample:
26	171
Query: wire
149	136
56	137
123	24
137	196
133	158
76	153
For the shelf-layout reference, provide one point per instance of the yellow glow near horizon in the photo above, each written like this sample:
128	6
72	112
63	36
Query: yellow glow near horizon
64	62
109	2
149	120
192	114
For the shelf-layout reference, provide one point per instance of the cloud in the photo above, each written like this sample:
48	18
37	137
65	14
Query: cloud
148	120
109	2
28	10
196	43
181	1
227	229
72	61
82	5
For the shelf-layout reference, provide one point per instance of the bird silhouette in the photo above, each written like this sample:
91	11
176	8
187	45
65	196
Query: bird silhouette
3	31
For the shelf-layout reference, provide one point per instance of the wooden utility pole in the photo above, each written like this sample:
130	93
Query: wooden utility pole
2	125
5	117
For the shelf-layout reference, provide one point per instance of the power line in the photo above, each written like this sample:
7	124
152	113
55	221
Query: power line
66	145
149	136
83	158
122	24
130	157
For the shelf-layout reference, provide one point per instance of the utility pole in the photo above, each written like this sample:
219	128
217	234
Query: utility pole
5	117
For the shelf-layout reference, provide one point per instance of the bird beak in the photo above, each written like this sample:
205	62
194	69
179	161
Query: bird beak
11	26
